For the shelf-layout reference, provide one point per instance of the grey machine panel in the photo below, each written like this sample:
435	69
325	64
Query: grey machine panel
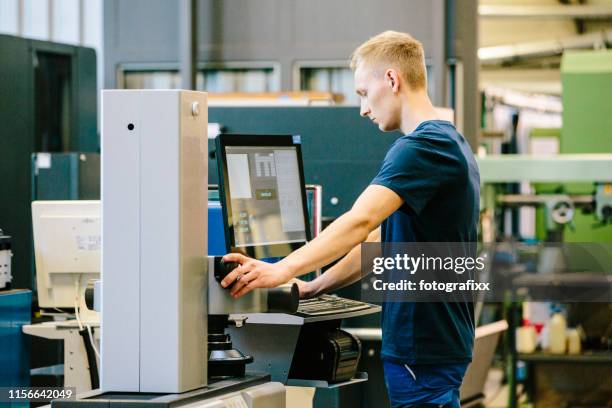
262	331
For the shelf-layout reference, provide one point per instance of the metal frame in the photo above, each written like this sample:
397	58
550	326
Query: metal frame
188	42
515	168
499	53
590	11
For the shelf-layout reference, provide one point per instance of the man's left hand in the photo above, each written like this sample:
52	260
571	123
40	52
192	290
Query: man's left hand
253	274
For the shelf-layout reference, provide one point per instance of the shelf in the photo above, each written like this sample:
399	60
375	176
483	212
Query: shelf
599	357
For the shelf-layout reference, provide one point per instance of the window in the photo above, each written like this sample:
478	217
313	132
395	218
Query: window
335	77
226	77
150	79
237	80
336	80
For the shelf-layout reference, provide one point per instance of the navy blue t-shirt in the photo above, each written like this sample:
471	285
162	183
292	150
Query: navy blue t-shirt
433	170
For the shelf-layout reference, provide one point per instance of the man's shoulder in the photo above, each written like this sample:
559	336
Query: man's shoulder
403	149
436	130
426	140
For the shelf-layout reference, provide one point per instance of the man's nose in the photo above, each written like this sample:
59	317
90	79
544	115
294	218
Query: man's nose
364	110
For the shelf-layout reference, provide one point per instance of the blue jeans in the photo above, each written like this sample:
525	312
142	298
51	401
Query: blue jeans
423	385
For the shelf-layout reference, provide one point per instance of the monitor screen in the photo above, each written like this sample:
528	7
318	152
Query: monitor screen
262	193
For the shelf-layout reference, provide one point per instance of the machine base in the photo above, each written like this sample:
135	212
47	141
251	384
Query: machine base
273	395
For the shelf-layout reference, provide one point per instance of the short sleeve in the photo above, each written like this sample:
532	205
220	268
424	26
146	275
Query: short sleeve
415	171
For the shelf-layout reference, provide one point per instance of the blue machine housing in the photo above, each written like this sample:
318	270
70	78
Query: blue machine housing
15	311
216	230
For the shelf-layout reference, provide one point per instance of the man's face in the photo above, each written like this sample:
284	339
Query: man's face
377	99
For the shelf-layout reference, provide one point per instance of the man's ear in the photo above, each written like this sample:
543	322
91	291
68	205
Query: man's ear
393	80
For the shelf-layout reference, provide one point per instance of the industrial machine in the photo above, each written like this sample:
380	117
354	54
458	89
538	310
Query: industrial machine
265	216
53	108
559	209
155	287
161	297
552	271
5	261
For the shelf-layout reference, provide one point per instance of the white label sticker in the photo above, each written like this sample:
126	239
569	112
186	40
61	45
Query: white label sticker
43	160
88	242
213	130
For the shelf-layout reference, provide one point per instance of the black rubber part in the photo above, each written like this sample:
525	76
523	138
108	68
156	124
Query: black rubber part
91	359
89	298
284	298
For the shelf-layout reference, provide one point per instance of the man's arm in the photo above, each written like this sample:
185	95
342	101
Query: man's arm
345	272
373	206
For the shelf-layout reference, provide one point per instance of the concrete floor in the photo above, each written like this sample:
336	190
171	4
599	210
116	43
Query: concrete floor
496	393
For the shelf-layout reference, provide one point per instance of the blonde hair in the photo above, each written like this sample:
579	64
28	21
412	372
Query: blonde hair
395	48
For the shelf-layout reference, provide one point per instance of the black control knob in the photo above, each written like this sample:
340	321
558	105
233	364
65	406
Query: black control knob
222	268
284	298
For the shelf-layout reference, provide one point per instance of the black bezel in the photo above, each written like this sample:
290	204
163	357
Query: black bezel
226	139
5	242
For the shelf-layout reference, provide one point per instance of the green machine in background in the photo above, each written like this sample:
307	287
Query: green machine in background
573	197
587	112
48	103
587	126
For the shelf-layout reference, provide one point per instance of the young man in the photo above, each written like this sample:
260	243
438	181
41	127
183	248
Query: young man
427	190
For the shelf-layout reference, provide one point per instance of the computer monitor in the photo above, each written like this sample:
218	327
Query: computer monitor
261	182
314	201
67	243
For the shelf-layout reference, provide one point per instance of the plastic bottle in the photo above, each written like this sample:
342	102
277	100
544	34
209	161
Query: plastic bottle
525	339
573	342
557	334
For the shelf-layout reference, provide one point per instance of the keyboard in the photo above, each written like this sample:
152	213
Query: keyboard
329	304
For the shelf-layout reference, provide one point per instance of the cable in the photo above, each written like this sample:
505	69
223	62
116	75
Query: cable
76	302
92	342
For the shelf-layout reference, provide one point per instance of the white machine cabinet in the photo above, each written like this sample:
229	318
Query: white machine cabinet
154	200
